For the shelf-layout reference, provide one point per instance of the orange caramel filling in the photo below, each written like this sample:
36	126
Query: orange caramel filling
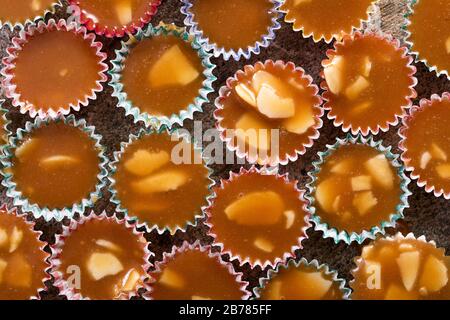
115	13
162	75
20	10
152	187
301	283
326	19
357	188
428	144
271	97
401	269
22	261
106	258
430	34
193	275
56	69
368	82
257	216
233	24
56	166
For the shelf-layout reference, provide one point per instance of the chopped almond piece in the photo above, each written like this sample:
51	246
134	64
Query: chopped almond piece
333	74
256	208
387	253
345	216
395	292
64	72
301	121
264	245
19	272
26	148
143	162
408	263
317	284
3	265
361	183
124	11
290	218
362	107
263	78
326	193
169	180
438	153
101	265
355	89
447	45
274	292
299	2
367	252
108	245
58	161
380	170
272	105
337	203
200	298
130	280
172	279
367	66
246	94
434	275
172	69
297	85
364	201
35	5
443	170
3	237
248	130
16	239
343	167
425	159
405	247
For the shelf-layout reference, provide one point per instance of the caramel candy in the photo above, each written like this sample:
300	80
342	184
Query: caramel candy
18	11
155	188
56	165
233	24
22	260
427	144
302	282
162	75
401	269
193	275
105	257
368	82
429	33
250	210
326	19
356	188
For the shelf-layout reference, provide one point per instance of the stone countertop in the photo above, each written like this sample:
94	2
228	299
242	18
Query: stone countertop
427	215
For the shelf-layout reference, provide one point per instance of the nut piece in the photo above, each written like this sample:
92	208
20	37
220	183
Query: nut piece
19	272
3	265
169	180
438	153
101	265
172	69
250	130
246	94
326	194
367	66
361	183
58	162
130	281
316	284
343	167
290	218
272	105
355	89
380	170
256	208
361	107
263	78
26	148
35	5
3	237
408	263
364	201
124	11
425	159
264	244
143	162
395	292
434	275
299	2
108	245
301	121
443	170
16	239
387	253
172	279
334	74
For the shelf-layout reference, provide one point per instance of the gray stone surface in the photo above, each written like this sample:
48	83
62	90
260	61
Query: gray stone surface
427	215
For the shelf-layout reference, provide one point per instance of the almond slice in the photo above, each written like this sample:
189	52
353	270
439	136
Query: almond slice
337	203
108	245
263	78
124	11
364	202
367	66
425	159
3	265
443	170
249	131
173	68
438	153
408	263
361	107
361	183
16	239
264	245
130	281
301	121
434	275
58	162
101	265
26	148
172	279
272	105
326	193
405	247
334	74
380	170
256	208
143	162
356	88
166	181
395	292
387	253
299	2
342	167
19	272
290	218
246	94
3	237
